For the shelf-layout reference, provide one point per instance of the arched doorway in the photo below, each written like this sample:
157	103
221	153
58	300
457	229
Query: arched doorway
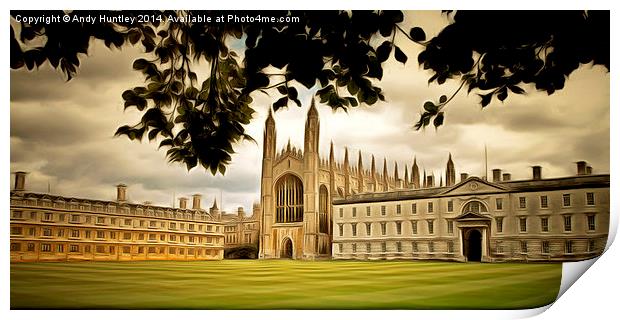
287	249
473	245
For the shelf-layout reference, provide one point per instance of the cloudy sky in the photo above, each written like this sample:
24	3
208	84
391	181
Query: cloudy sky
62	132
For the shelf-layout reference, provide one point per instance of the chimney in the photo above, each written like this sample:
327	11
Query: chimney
121	193
497	174
240	213
464	176
183	203
588	170
506	177
196	201
20	181
581	168
536	172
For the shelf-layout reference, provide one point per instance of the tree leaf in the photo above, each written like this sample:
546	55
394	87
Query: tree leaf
443	99
438	121
383	51
516	89
400	55
417	34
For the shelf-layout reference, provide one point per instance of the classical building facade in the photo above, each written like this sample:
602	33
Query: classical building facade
241	229
47	227
315	208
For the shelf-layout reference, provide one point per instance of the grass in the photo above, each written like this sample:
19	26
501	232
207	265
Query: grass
282	284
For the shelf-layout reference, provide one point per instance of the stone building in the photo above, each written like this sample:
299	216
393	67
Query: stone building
240	229
314	208
48	227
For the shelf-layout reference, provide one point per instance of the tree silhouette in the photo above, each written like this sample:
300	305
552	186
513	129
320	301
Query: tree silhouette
340	52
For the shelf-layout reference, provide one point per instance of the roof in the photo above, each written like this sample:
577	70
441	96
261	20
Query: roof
565	183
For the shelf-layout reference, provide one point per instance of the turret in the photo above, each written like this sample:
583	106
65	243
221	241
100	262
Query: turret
347	179
415	175
450	172
385	175
360	173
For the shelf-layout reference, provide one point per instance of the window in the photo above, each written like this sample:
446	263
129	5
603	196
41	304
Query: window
568	246
113	221
100	220
74	248
591	245
209	228
398	227
430	207
100	234
383	247
60	248
591	223
46	247
499	205
341	230
31	232
414	246
127	222
48	216
431	247
545	247
382	210
499	247
590	198
523	246
47	232
398	209
568	225
414	227
566	200
368	211
141	223
450	247
354	247
152	237
61	233
340	247
126	236
544	202
354	212
383	228
450	227
341	212
16	246
30	246
152	224
173	225
191	227
522	202
112	235
368	226
126	249
87	234
191	239
354	229
544	224
16	230
414	208
75	233
430	226
399	247
152	250
17	214
499	222
368	247
87	219
523	224
33	215
174	237
450	205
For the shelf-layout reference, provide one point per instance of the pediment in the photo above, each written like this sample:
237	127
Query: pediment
475	185
472	216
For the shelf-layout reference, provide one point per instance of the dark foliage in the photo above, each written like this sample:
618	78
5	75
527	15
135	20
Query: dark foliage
199	122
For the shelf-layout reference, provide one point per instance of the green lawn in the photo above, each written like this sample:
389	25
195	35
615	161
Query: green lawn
282	284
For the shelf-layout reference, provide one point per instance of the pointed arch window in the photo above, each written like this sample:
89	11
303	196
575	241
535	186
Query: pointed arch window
289	199
323	209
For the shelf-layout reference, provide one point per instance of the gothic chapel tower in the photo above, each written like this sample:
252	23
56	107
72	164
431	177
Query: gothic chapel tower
296	208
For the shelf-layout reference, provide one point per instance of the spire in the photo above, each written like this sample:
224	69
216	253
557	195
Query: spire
440	180
424	179
415	174
346	160
360	167
406	179
395	170
373	169
450	172
331	152
288	145
312	112
214	206
385	172
270	120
